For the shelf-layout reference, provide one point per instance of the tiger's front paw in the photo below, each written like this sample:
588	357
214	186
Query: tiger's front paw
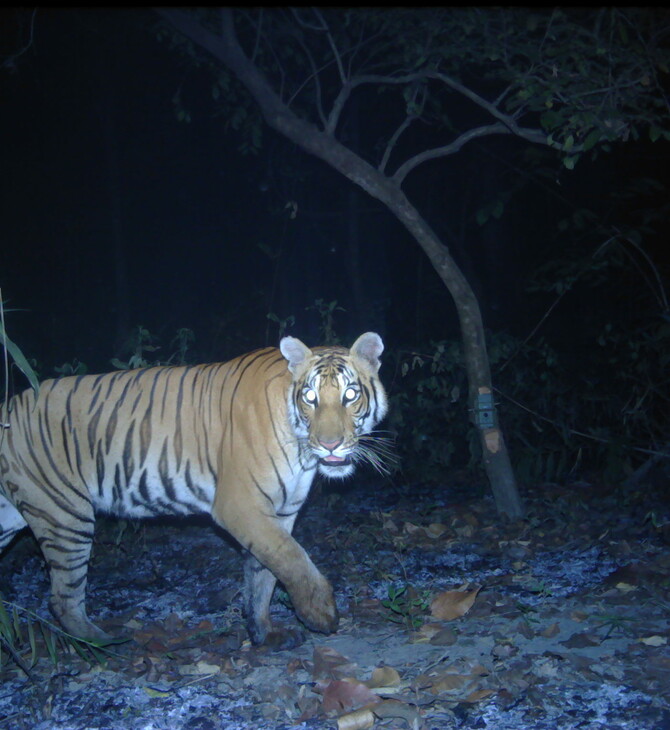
315	606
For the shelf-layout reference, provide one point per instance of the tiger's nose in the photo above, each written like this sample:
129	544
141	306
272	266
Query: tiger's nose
330	445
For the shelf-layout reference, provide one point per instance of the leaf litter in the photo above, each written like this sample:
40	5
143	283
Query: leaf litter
450	618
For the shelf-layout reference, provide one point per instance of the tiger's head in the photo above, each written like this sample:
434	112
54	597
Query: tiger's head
335	401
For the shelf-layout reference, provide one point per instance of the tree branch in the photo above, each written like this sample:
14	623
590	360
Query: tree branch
226	48
317	82
333	47
449	149
532	135
354	82
392	142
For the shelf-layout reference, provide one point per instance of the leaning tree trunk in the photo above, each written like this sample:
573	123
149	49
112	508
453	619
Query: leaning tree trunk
480	391
226	48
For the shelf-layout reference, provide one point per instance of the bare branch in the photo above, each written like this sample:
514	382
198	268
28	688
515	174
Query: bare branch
411	116
394	138
338	105
351	84
314	76
333	47
532	135
449	149
10	62
259	39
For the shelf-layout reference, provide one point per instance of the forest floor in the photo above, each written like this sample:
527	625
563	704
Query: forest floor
450	619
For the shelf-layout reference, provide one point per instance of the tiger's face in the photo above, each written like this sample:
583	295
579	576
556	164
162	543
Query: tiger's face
335	401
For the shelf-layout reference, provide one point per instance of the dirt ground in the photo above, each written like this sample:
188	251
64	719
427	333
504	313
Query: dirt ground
450	619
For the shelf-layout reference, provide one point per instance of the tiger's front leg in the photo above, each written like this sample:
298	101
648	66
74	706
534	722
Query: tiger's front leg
277	556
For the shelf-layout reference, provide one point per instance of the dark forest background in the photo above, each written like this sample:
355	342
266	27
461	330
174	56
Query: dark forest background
128	201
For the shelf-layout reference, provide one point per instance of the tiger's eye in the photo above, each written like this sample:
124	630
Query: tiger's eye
309	396
350	395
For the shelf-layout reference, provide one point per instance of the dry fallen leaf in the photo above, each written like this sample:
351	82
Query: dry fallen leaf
449	683
330	664
201	668
436	530
479	695
392	708
425	633
342	695
411	529
654	640
358	720
383	677
450	605
551	631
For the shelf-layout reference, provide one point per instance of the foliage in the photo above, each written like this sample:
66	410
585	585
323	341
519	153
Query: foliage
570	78
182	341
24	635
233	105
15	352
597	397
405	605
76	367
326	311
142	342
284	324
605	412
424	411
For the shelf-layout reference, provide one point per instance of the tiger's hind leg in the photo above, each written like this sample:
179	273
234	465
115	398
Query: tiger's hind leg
259	585
66	543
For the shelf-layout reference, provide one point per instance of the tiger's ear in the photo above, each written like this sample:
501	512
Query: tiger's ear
295	351
369	348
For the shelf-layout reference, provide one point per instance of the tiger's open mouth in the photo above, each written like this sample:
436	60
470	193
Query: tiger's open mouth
333	460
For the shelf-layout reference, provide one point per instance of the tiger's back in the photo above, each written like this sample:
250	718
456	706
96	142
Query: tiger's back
134	443
220	438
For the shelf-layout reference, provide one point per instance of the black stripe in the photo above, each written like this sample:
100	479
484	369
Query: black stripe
100	470
262	491
164	473
110	428
191	486
282	485
127	457
118	488
48	483
91	430
145	436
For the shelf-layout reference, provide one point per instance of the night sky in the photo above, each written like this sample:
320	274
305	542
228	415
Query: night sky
116	214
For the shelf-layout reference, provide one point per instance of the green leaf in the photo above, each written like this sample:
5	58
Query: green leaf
19	359
156	693
570	162
5	623
592	138
50	643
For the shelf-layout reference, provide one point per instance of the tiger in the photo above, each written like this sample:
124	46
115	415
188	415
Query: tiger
241	440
